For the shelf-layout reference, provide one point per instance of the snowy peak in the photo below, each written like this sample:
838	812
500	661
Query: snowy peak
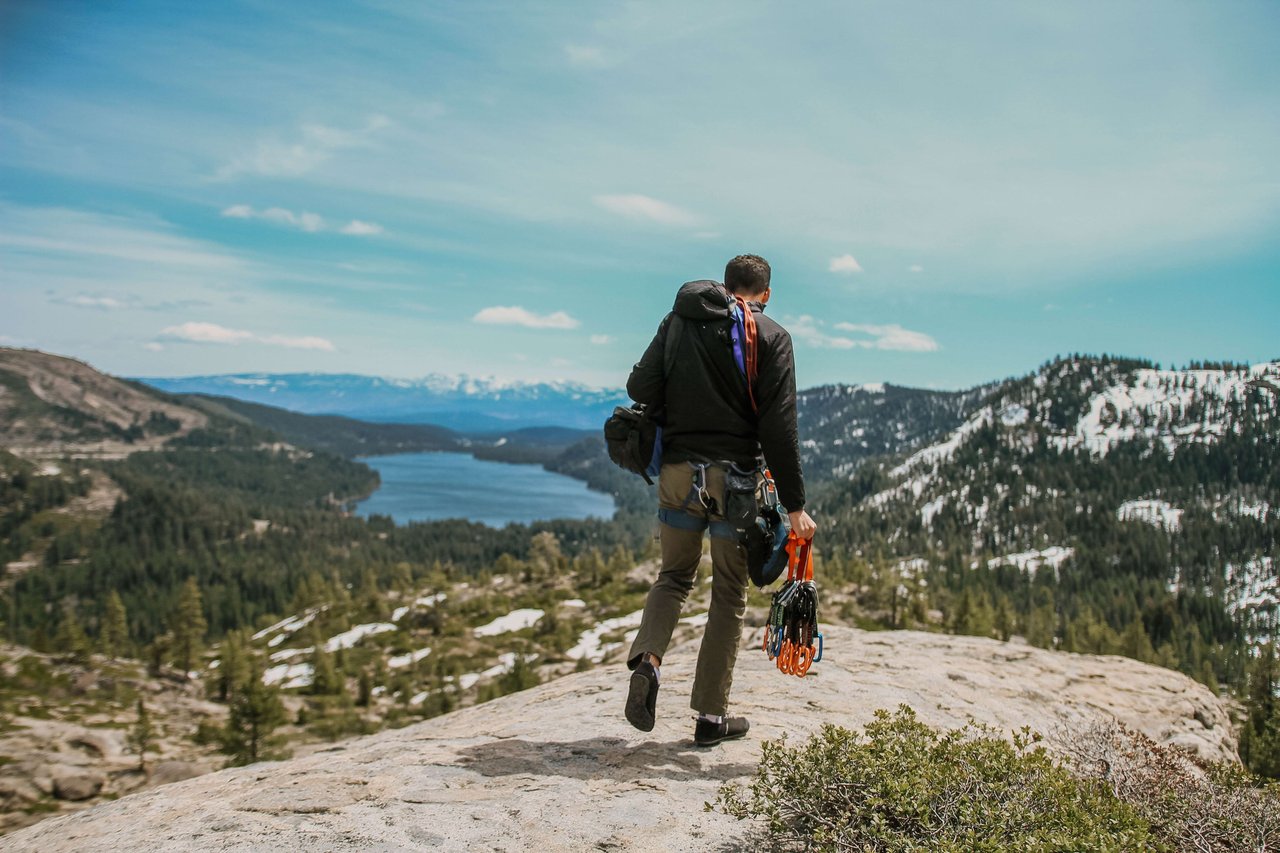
459	402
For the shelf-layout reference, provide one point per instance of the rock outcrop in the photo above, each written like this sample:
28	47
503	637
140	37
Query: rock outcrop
558	768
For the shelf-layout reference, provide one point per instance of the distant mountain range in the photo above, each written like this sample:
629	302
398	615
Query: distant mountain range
461	403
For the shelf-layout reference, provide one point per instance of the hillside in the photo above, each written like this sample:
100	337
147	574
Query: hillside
52	406
557	767
1097	503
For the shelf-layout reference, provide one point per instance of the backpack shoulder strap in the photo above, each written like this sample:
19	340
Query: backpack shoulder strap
674	328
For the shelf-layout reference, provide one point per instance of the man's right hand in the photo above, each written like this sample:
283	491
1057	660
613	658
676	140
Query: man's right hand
802	525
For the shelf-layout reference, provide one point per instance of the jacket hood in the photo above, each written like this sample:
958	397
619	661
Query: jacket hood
705	300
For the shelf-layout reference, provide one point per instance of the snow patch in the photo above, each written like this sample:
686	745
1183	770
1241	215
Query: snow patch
516	620
347	639
1032	561
589	645
409	659
1155	512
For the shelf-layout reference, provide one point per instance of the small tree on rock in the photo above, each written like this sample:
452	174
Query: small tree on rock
189	626
256	711
142	735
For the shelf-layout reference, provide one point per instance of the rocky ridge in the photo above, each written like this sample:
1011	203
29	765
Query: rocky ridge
557	766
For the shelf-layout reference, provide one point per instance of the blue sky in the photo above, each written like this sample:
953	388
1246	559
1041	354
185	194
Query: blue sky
948	192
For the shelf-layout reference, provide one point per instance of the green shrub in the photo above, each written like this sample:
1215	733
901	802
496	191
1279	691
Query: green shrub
901	786
1189	804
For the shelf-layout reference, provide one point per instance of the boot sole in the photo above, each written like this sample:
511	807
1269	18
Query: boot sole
728	735
638	713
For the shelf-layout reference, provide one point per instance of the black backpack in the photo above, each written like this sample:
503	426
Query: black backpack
633	434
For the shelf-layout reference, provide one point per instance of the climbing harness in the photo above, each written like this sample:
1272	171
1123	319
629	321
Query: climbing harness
791	638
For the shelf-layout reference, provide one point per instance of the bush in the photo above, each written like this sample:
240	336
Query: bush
1190	805
902	786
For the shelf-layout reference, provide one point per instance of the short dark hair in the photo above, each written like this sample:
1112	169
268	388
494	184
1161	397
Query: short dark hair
747	275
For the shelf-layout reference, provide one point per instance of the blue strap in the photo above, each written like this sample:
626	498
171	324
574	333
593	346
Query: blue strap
681	520
723	530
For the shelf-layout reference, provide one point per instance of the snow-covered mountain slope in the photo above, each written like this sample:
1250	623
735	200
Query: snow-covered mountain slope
843	425
458	402
1172	475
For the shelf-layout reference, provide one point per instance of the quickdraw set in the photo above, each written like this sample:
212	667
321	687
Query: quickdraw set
791	638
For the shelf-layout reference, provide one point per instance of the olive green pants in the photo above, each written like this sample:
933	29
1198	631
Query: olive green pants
683	525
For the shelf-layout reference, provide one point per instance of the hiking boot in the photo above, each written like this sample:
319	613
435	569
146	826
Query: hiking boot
642	699
707	733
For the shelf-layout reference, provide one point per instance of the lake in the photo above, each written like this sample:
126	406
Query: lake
432	486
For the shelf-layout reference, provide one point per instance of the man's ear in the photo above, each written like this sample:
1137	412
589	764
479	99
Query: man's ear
763	298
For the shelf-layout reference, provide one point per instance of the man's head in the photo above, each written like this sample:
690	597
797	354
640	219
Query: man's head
747	276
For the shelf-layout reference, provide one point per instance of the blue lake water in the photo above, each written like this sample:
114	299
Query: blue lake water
432	486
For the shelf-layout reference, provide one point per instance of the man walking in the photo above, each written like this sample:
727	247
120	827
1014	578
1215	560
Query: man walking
714	417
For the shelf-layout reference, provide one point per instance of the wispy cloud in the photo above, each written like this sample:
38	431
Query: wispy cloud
601	340
585	55
304	342
644	207
514	315
890	337
85	300
809	330
303	221
212	333
360	228
845	264
312	146
887	337
205	333
915	268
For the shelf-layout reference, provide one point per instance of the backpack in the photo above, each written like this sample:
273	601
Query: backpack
633	434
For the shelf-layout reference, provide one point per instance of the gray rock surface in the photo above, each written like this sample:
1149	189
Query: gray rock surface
558	768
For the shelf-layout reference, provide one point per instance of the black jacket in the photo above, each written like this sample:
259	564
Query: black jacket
708	414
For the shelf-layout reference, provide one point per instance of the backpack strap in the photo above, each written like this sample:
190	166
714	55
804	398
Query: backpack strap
674	328
750	369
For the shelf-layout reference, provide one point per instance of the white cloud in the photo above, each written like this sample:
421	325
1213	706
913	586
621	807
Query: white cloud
212	333
361	229
600	340
644	207
808	329
153	346
304	221
314	145
84	300
915	268
514	315
205	333
845	264
890	337
585	55
305	342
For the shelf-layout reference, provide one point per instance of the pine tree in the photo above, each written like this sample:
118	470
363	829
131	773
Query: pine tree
1004	619
189	627
70	639
1260	736
325	678
256	711
1135	643
142	735
114	636
233	666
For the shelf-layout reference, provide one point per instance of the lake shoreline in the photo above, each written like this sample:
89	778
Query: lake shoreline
430	486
